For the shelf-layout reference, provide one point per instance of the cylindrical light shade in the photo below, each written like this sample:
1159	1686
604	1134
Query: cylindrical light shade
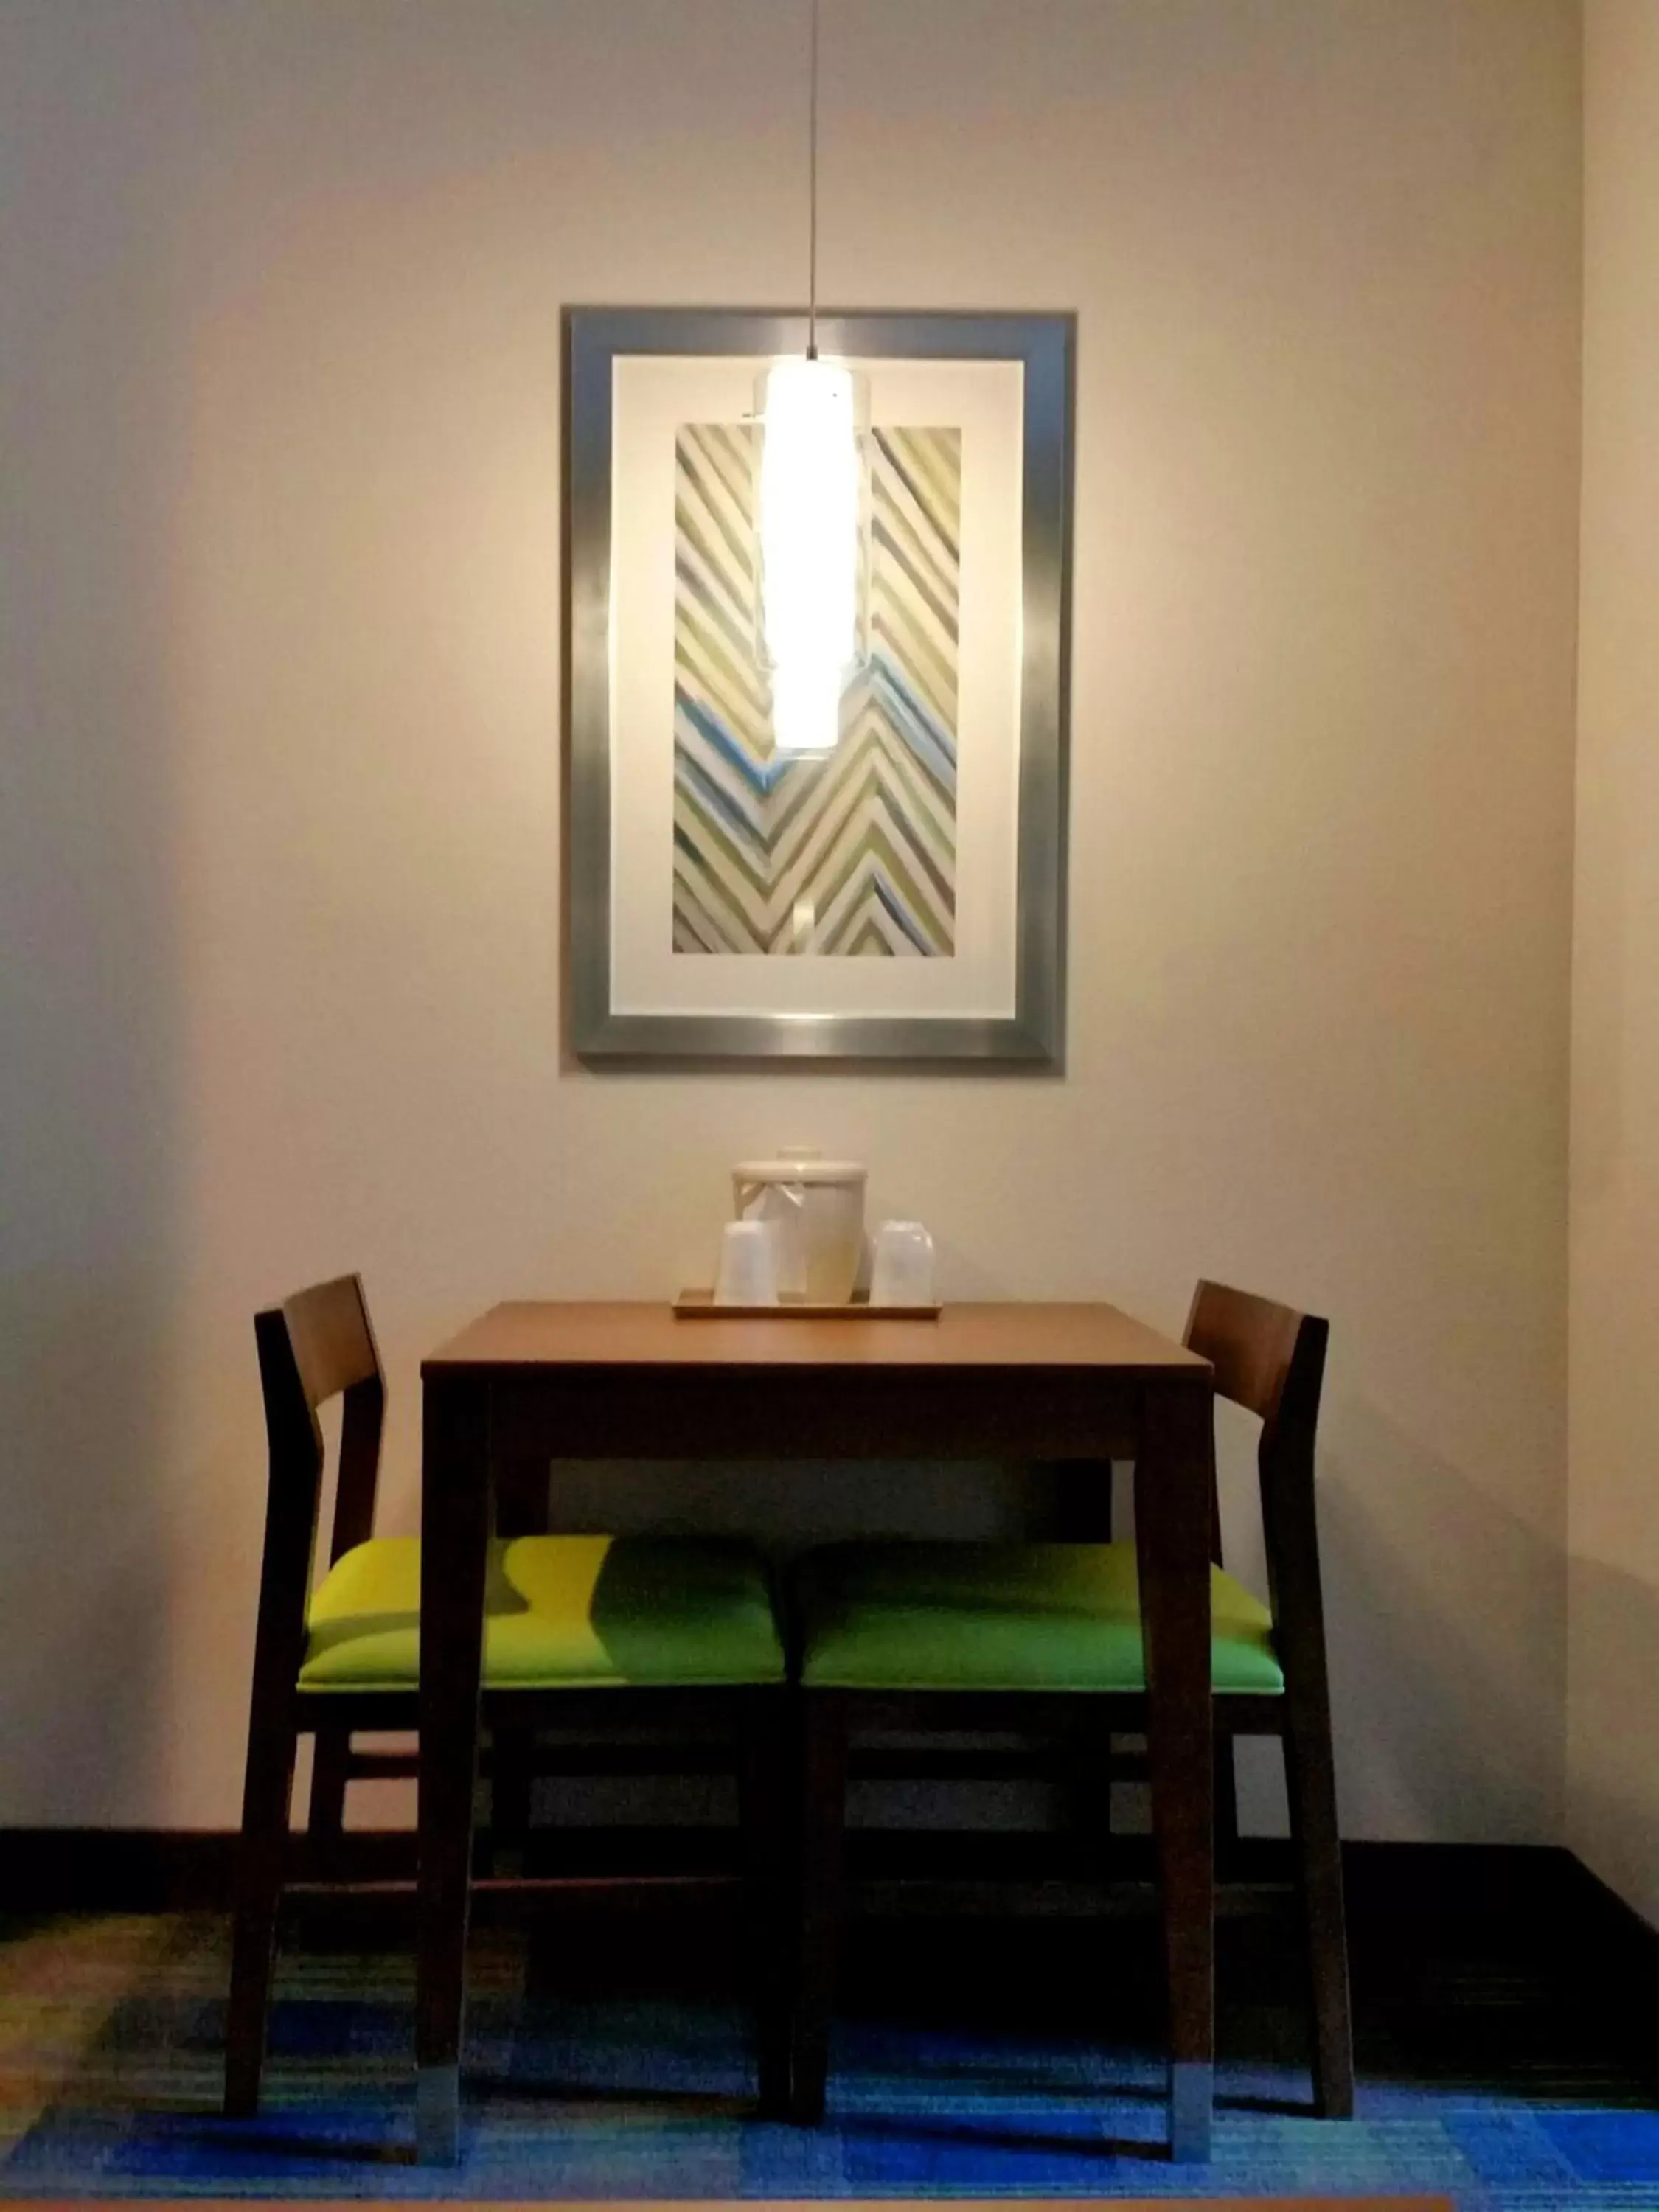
812	415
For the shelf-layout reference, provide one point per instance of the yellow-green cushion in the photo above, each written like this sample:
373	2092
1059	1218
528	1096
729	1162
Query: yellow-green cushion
560	1613
913	1616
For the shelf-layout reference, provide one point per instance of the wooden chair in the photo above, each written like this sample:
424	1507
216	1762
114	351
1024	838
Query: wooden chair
1047	1638
583	1632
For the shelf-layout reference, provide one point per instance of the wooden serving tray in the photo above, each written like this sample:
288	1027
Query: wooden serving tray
699	1305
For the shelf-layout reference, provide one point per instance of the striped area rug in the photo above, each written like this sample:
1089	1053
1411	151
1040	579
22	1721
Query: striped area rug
899	2205
581	2090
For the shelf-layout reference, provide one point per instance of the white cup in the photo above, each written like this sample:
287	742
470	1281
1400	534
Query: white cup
749	1266
903	1272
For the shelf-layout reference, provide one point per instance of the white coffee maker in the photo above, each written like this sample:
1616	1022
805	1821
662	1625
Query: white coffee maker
814	1209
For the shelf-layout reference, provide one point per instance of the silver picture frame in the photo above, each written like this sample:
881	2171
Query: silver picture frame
1033	1035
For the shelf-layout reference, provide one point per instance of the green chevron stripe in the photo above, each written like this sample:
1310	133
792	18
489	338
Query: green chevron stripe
850	762
903	533
929	799
863	799
875	845
713	906
928	465
866	842
695	929
856	789
865	835
715	476
866	773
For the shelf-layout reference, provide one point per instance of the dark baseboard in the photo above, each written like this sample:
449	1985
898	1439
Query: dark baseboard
156	1870
114	1869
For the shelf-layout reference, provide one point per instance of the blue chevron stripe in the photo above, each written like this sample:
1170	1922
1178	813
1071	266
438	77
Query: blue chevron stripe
896	912
923	733
714	796
762	777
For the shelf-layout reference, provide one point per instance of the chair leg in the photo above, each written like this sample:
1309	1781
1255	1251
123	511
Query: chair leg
330	1767
1226	1804
822	1850
1310	1786
760	1792
1087	1782
267	1792
512	1769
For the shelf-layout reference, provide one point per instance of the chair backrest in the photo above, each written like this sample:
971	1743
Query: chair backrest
1256	1347
316	1346
1269	1359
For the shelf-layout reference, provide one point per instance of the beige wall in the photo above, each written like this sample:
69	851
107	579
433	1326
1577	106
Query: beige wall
1614	1676
280	688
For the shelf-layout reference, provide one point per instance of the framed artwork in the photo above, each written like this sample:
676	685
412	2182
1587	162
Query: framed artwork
901	897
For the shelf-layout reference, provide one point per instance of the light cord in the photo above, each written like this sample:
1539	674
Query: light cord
812	195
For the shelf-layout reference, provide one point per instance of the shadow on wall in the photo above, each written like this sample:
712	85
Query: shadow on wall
1452	1612
1612	1711
1457	1635
88	861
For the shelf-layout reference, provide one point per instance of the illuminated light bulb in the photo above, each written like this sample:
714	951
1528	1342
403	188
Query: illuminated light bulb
811	518
806	704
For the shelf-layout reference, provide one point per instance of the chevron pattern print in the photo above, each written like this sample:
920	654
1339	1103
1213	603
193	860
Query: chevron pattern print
851	853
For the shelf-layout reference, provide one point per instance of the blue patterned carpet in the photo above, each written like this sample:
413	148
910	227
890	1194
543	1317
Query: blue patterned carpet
974	2059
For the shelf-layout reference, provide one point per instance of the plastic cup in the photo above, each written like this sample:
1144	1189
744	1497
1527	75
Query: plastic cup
748	1272
902	1272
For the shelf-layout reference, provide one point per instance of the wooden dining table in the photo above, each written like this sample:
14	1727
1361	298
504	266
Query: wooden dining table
1077	1386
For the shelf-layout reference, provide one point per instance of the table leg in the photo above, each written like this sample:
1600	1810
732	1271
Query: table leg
454	1554
1173	1478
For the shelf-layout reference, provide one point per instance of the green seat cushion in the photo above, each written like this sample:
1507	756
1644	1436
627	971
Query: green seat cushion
919	1616
560	1613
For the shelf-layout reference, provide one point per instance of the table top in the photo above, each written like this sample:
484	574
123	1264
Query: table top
512	1337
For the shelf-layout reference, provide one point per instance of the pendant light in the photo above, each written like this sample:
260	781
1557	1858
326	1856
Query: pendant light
812	516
